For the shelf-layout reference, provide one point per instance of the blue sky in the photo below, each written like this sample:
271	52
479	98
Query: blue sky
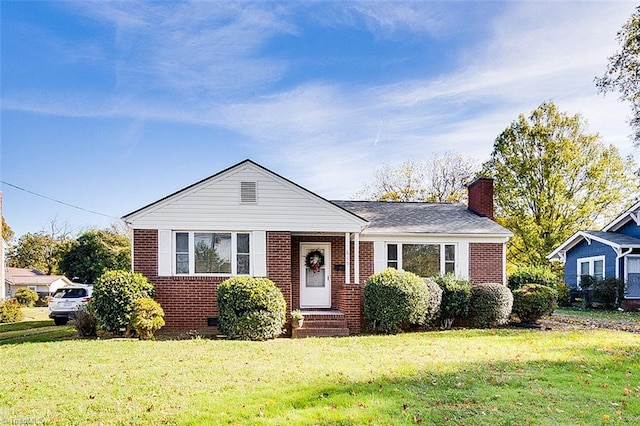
113	105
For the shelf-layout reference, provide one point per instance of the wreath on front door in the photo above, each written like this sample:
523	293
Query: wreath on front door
314	260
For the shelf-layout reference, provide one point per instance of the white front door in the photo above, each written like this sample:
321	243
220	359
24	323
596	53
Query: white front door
315	275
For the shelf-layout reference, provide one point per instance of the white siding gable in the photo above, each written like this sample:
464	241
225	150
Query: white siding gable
215	204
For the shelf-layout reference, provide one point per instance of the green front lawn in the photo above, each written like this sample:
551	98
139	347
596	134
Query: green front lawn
473	377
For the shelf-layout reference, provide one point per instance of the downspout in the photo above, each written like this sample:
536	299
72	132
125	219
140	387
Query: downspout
128	226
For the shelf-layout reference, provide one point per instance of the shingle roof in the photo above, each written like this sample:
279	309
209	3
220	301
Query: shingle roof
615	238
25	276
424	218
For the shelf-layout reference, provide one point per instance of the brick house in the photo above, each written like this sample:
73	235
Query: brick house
248	220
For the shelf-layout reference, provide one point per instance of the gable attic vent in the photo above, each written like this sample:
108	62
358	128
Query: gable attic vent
248	193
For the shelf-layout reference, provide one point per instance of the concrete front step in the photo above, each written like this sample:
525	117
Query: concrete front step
298	333
322	324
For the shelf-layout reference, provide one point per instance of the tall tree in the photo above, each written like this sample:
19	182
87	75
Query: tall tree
552	178
33	251
440	179
7	232
43	250
95	252
623	71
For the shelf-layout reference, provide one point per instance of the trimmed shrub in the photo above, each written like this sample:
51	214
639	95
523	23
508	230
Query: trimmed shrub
455	299
532	275
85	322
490	305
42	302
10	311
609	292
564	294
26	297
395	300
533	301
148	317
250	308
114	296
435	300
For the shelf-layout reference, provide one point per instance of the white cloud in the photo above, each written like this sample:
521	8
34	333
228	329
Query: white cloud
329	136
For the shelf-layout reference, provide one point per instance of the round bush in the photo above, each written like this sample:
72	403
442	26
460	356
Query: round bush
609	292
114	296
455	299
490	305
564	294
395	300
435	300
148	317
532	275
10	311
250	308
533	301
26	297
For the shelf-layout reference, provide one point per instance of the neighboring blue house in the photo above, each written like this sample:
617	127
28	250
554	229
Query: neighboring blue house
612	252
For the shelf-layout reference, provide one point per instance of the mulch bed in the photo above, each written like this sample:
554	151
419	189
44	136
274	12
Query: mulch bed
564	322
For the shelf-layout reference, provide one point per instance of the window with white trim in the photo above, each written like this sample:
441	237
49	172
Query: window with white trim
425	260
591	266
632	275
207	253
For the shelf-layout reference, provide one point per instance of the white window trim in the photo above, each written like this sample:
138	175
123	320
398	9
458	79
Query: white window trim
33	288
591	260
192	257
442	253
626	272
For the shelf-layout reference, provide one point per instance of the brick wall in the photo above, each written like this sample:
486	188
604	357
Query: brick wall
279	263
189	301
485	263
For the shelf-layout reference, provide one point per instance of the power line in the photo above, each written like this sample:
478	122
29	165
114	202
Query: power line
57	201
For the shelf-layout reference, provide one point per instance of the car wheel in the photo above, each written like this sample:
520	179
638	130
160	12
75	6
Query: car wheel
60	321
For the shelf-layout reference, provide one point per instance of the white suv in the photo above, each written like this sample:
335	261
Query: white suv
66	301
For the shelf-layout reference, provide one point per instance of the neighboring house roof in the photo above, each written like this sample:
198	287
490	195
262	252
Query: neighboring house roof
616	241
23	276
632	213
424	218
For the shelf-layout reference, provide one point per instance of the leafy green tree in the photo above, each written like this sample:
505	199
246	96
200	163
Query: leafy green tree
95	252
553	179
7	232
622	74
34	251
42	250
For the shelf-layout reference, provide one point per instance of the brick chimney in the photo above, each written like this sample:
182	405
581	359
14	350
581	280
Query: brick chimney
480	197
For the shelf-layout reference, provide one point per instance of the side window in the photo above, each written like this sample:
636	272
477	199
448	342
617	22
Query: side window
182	253
243	256
392	256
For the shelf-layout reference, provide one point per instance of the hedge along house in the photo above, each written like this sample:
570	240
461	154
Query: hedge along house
613	252
248	220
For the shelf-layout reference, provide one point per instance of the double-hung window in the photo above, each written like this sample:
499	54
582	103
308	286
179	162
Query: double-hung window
425	260
591	266
203	253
